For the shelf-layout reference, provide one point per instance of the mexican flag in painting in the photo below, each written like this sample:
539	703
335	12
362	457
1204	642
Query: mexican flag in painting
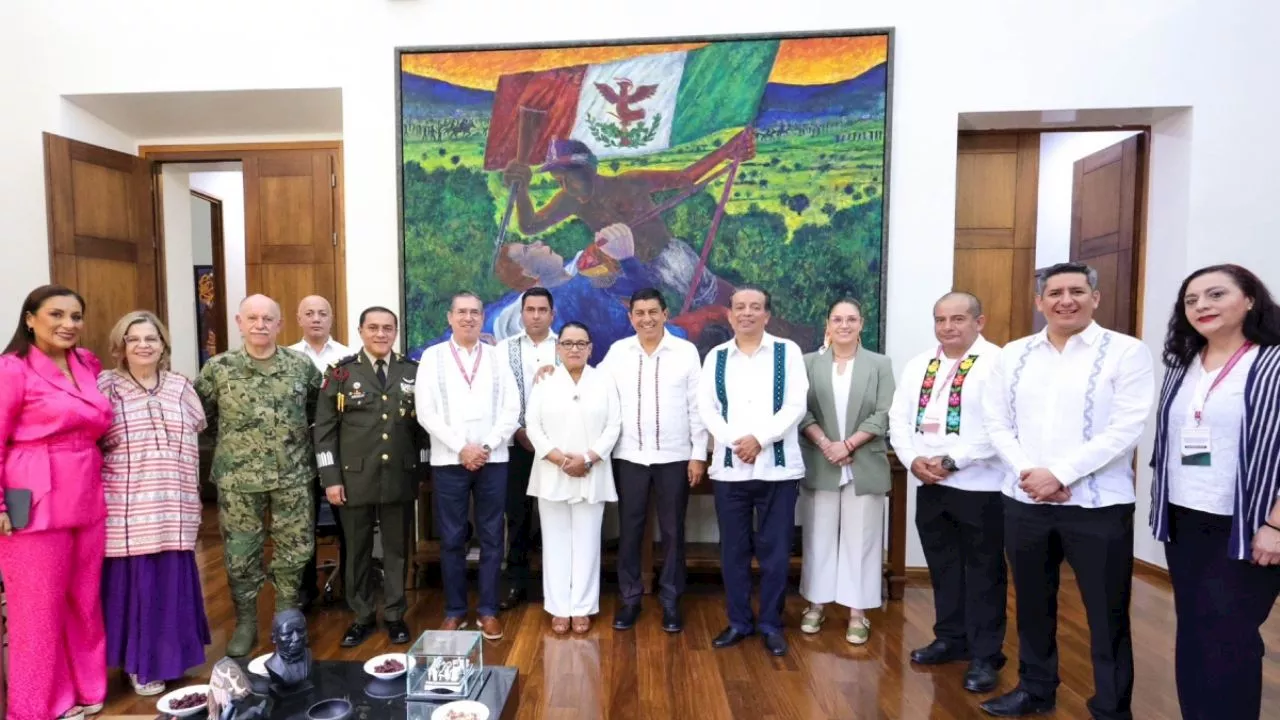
634	106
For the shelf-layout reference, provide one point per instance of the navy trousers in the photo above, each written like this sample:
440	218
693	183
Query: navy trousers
756	517
455	486
1221	603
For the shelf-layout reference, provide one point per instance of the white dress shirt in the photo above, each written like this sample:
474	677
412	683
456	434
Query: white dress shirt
1079	413
659	396
524	357
485	412
573	418
841	383
1209	489
332	352
971	449
749	382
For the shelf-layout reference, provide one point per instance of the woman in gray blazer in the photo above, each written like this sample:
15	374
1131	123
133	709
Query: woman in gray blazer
846	474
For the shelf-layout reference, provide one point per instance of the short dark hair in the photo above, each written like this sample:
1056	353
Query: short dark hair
975	305
464	294
1066	268
20	343
768	299
578	325
538	292
377	309
647	294
1261	324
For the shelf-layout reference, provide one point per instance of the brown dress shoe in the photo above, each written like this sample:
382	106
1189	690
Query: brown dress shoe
490	628
582	625
453	623
560	625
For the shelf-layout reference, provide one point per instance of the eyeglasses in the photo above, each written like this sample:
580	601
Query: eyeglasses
575	344
148	340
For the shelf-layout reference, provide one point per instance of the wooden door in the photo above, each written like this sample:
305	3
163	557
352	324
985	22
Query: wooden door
292	224
997	177
102	238
1105	206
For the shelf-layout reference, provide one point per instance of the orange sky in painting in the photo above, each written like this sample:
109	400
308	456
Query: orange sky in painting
813	61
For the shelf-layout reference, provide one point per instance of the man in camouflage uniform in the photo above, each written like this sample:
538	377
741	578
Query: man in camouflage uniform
372	453
260	400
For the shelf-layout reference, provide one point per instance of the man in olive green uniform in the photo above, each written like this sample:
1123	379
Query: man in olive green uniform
260	401
372	452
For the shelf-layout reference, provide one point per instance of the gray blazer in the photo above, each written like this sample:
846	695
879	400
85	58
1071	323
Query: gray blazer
870	395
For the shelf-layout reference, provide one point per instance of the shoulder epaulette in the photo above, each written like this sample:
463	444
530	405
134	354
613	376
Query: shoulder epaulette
347	360
404	359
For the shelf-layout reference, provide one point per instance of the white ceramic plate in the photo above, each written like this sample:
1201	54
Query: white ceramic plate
258	665
477	710
163	705
375	662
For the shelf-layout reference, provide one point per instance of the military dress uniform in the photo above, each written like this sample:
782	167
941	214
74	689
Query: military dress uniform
368	440
261	411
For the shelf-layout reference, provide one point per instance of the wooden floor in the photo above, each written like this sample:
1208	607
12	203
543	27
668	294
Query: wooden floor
646	673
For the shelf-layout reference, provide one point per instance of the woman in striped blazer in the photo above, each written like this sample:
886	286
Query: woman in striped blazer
1216	480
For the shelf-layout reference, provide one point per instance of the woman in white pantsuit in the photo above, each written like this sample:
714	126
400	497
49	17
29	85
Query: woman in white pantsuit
573	420
846	475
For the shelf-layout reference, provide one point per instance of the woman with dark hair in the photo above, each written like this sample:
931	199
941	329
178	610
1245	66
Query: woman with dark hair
52	516
573	420
1216	479
156	626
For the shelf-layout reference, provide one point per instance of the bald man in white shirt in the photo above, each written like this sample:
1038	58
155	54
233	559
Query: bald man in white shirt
1065	408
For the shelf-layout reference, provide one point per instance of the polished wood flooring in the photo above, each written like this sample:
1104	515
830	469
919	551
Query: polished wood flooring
645	673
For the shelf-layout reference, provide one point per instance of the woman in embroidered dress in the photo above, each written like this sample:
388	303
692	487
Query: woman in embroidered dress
156	626
573	419
1214	491
51	417
846	474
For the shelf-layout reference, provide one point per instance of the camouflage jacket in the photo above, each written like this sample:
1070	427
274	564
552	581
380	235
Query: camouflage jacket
367	434
262	419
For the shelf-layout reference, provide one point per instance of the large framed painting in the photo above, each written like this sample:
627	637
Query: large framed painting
206	313
691	165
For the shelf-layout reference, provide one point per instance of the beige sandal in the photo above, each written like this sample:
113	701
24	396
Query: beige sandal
859	631
560	625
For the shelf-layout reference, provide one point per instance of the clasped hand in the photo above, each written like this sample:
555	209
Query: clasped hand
746	448
837	453
473	457
1043	486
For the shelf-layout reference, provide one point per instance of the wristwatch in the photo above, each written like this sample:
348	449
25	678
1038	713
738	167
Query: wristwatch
589	463
948	464
486	448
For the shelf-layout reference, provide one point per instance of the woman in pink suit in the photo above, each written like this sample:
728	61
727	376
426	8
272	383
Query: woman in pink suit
51	417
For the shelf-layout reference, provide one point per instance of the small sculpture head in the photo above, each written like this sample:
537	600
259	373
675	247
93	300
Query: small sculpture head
289	633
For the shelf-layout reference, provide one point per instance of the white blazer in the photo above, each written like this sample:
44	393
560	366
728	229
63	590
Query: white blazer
574	418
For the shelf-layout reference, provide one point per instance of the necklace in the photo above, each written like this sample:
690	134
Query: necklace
144	388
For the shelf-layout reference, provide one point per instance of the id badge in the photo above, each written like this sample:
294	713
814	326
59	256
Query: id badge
1196	446
932	421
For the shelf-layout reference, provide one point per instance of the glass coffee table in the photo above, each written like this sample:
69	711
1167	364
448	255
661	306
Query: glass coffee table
373	699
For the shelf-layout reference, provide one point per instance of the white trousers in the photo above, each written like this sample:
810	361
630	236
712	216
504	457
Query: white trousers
571	557
843	547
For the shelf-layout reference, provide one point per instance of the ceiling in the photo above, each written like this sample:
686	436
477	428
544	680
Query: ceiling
231	113
1097	119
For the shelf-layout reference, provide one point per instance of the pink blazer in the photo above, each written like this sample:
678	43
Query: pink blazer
49	431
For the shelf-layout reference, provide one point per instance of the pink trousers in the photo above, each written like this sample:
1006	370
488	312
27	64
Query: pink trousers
57	645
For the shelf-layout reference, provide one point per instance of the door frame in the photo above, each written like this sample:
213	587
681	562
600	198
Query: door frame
219	267
1144	184
159	155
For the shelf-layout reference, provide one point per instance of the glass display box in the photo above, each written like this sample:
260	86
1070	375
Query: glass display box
444	664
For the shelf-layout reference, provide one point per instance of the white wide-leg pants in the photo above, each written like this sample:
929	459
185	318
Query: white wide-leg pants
571	557
843	547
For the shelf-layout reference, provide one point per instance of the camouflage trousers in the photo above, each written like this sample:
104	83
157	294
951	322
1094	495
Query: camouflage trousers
242	516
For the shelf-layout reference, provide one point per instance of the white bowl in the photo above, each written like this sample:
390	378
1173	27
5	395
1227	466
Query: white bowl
258	665
163	704
477	709
375	662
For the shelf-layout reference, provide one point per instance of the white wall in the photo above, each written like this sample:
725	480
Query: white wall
201	231
986	55
1058	155
228	186
180	283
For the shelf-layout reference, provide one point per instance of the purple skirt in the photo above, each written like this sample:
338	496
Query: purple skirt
154	612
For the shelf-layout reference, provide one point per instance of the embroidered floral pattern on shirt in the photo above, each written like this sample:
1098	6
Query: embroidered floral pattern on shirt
953	397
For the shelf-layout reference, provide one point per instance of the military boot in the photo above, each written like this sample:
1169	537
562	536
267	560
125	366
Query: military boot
246	632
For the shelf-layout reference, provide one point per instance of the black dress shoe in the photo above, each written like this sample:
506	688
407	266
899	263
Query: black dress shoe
671	620
728	638
775	643
398	632
939	652
1016	704
981	677
625	618
357	633
514	599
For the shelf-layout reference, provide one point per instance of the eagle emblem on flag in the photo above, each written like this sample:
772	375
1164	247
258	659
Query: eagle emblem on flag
629	130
